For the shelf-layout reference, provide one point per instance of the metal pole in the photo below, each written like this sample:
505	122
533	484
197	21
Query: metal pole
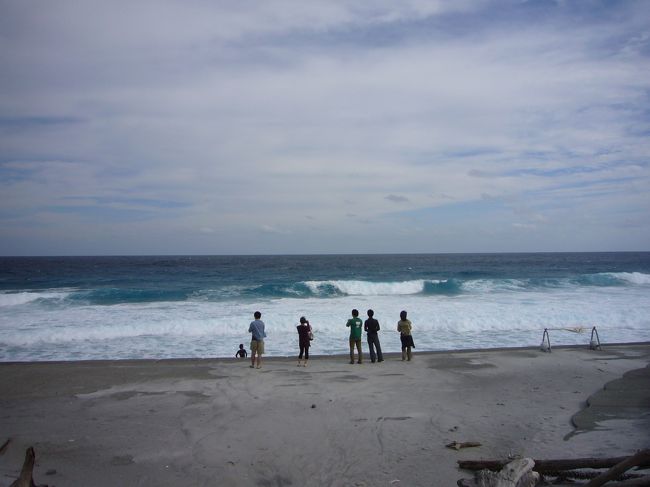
594	344
546	347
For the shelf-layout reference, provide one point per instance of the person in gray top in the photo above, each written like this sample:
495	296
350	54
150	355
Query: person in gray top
257	339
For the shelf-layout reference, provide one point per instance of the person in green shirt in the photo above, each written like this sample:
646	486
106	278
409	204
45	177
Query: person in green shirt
356	327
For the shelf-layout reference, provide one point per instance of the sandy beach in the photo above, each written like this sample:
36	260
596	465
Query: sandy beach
219	422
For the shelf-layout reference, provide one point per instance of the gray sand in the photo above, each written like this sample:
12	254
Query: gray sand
218	422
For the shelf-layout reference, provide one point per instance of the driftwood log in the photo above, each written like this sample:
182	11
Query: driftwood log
486	476
26	474
620	468
545	466
25	478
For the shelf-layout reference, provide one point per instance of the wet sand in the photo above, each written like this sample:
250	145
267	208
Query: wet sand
219	422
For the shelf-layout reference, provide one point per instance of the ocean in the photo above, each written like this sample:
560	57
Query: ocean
86	308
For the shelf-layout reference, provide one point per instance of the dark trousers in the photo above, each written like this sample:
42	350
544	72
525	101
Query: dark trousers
373	342
355	342
304	348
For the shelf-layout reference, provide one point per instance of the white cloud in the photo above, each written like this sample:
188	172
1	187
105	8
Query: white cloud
252	115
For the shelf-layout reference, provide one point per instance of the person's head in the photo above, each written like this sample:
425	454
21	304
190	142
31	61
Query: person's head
303	320
402	315
355	313
371	313
241	345
257	315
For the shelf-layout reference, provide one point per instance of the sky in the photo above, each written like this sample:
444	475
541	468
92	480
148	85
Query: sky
338	126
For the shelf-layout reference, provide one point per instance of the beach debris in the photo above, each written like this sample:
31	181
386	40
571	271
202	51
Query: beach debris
4	446
457	445
518	473
26	474
575	329
122	460
572	469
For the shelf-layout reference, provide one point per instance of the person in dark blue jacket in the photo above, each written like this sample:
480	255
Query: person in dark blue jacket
371	326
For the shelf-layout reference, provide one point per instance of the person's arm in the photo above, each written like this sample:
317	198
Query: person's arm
365	326
377	325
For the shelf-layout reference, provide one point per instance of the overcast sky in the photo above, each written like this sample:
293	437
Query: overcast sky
293	126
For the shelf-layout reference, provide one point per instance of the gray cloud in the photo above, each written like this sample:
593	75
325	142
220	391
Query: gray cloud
396	199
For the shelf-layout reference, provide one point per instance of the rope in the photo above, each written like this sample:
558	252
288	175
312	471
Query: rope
575	329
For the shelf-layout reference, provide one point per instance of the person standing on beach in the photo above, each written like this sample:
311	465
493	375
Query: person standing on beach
371	326
304	339
257	339
356	326
404	327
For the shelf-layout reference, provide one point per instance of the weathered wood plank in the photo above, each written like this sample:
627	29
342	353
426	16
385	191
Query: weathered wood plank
543	466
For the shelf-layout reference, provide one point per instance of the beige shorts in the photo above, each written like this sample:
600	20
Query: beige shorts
257	346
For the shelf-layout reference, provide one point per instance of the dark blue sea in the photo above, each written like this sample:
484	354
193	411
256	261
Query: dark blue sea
74	308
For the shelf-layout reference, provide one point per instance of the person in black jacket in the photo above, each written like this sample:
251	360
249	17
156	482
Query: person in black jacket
304	340
372	328
241	353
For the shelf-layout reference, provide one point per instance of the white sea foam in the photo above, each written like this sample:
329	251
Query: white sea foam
205	328
482	286
637	278
366	288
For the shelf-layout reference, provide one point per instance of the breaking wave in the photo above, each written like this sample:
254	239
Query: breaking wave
25	297
321	289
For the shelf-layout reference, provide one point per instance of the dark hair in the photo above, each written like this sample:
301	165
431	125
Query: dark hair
257	315
371	313
303	319
355	312
241	345
402	315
